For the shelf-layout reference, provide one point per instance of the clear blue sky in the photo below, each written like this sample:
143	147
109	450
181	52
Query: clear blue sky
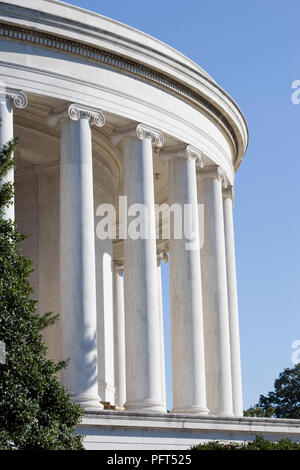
251	48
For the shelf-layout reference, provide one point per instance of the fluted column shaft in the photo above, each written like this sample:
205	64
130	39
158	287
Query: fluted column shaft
105	326
189	392
232	303
143	373
119	338
163	256
77	254
215	299
9	99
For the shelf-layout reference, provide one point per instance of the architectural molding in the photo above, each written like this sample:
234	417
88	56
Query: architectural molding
176	431
75	112
64	45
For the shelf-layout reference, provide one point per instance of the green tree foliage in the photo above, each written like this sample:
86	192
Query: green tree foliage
35	410
284	401
257	412
259	443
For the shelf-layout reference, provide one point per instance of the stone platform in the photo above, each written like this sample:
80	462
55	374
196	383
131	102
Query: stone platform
121	430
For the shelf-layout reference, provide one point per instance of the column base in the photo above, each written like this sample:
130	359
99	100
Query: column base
191	410
146	406
223	414
88	402
238	415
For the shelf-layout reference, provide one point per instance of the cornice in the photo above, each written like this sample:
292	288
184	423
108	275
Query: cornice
70	46
63	18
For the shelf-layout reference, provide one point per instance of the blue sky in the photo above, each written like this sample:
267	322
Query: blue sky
252	50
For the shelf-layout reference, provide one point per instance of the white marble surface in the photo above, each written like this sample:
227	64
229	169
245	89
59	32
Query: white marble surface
145	81
125	431
77	262
215	298
105	316
143	373
133	97
161	335
188	365
119	338
236	374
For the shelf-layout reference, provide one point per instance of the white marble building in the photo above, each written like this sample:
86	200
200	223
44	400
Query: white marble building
102	111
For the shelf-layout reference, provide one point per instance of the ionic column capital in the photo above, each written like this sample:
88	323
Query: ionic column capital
75	112
213	172
146	132
141	131
17	97
194	153
183	151
228	192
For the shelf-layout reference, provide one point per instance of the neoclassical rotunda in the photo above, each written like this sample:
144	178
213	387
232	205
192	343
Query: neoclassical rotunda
105	113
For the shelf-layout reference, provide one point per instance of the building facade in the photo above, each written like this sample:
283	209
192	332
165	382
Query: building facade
107	115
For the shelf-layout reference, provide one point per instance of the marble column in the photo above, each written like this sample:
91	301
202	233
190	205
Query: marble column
189	391
119	338
105	324
161	257
8	99
215	299
236	374
77	253
143	372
